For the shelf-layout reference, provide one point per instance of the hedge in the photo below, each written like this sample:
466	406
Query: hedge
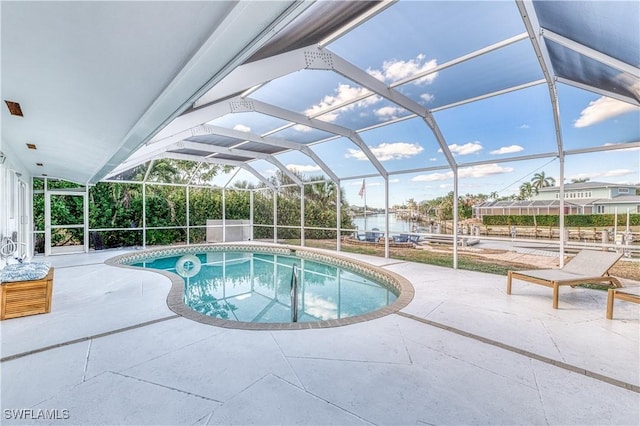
572	220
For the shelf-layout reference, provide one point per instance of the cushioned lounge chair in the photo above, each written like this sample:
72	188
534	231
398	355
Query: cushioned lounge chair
588	266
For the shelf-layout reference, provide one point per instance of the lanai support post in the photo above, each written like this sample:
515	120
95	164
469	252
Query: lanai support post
188	215
224	215
561	216
338	215
302	215
386	216
144	213
251	211
275	216
455	217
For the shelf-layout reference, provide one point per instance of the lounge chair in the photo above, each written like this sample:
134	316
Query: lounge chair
402	238
588	266
629	294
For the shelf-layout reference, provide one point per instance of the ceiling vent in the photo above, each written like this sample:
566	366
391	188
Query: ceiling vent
14	108
32	146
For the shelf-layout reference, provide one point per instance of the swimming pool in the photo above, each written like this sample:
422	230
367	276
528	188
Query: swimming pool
250	285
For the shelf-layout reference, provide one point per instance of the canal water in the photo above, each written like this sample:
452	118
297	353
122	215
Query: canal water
396	225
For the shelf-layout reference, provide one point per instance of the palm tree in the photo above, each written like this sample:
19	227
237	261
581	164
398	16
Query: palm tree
526	191
494	195
540	180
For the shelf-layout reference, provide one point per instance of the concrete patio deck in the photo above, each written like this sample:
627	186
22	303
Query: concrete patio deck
462	352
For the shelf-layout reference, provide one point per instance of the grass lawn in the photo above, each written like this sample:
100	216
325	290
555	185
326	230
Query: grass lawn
442	256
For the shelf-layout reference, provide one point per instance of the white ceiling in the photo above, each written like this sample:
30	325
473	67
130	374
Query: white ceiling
95	80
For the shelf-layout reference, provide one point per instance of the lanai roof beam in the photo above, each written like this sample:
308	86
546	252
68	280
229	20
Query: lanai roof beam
205	147
214	160
302	119
269	140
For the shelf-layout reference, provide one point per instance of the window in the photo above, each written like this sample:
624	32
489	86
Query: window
599	209
623	190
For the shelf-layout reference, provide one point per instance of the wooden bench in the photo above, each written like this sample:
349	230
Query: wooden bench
630	294
29	297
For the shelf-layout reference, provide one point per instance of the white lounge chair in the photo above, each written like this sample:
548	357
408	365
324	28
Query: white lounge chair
588	266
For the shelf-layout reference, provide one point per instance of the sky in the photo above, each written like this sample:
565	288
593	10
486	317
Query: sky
411	38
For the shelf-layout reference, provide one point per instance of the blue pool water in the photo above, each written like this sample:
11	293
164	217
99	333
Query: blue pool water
256	287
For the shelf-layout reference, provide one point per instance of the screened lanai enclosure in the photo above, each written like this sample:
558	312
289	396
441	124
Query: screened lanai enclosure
200	122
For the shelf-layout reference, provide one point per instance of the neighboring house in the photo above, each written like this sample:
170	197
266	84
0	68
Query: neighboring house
579	198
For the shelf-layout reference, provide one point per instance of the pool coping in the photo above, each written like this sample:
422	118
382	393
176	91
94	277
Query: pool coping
175	298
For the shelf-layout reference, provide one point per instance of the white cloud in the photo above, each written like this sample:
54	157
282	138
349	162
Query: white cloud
465	172
524	126
303	168
466	149
483	170
598	175
433	159
617	172
396	180
389	112
388	151
427	97
432	177
507	150
342	94
603	109
635	148
395	70
391	71
242	128
302	128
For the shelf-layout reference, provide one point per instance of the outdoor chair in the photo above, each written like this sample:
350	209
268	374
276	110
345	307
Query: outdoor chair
588	266
629	294
402	238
